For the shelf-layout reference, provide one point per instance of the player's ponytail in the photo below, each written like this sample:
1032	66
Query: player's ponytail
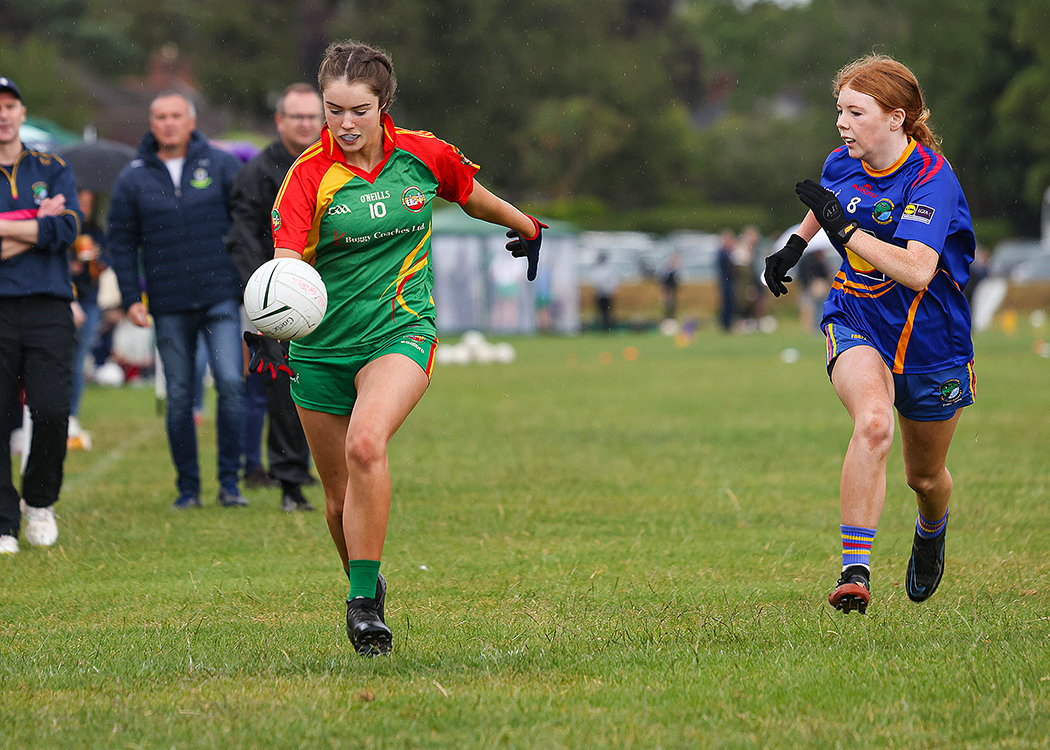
921	132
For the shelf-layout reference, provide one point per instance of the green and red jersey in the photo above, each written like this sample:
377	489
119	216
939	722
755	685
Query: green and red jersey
368	233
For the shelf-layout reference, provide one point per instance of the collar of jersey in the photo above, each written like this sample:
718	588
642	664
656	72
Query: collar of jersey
332	150
892	167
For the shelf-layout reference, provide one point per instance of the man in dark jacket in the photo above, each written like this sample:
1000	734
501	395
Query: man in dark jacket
169	215
39	219
299	118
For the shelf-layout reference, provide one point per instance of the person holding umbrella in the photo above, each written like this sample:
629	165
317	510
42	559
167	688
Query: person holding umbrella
87	260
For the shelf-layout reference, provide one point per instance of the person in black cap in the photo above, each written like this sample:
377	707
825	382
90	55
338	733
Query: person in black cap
39	219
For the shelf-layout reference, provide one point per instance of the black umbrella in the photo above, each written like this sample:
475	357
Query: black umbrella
96	165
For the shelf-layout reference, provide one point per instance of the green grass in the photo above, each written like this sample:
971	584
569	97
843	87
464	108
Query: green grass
634	554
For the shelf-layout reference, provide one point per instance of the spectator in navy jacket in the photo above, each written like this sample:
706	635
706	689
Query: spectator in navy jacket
169	215
39	219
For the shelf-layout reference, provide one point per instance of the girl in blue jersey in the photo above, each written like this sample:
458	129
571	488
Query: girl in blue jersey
896	321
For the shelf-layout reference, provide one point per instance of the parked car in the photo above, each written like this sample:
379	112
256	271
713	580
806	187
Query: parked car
1011	253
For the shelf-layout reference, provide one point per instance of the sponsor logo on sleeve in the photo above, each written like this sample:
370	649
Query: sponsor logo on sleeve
917	212
275	219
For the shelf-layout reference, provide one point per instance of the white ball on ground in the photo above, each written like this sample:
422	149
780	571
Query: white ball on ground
669	327
504	353
456	354
110	375
484	354
474	342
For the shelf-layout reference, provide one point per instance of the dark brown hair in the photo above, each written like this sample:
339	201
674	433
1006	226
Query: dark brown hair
354	62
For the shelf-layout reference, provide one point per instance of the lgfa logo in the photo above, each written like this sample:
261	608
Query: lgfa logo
413	199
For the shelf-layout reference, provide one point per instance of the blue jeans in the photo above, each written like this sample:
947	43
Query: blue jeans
254	419
177	336
87	337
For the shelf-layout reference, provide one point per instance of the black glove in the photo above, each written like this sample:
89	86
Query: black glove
827	209
526	247
782	261
268	356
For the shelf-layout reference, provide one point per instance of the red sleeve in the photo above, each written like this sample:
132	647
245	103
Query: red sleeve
454	171
293	209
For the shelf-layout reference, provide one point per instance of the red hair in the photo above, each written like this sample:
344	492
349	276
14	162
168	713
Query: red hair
893	86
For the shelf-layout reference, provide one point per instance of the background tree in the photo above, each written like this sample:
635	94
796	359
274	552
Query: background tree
647	114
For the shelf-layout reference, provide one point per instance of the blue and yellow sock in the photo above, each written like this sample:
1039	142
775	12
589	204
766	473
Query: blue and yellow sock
856	545
928	529
363	575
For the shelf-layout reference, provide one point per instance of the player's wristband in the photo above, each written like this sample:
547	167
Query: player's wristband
538	225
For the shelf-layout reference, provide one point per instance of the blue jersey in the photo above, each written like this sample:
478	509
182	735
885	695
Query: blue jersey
917	198
44	269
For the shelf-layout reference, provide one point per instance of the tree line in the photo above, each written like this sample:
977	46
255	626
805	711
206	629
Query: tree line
643	114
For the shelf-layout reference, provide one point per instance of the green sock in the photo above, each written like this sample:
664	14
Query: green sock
363	575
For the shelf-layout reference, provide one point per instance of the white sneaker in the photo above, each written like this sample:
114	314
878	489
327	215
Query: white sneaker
8	545
41	528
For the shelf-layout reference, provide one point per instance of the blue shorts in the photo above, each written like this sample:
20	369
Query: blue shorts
919	396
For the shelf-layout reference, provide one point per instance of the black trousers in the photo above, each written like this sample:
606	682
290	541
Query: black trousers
288	453
37	338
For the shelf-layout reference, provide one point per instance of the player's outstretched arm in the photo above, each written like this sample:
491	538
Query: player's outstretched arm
525	233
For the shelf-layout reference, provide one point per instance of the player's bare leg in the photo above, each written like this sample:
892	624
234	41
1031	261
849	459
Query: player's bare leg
925	452
388	388
326	435
864	385
351	460
387	391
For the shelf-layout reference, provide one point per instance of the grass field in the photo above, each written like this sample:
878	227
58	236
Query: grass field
587	550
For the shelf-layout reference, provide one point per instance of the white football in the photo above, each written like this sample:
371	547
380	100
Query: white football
285	298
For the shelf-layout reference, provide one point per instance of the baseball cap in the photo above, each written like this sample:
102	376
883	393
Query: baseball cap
6	84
